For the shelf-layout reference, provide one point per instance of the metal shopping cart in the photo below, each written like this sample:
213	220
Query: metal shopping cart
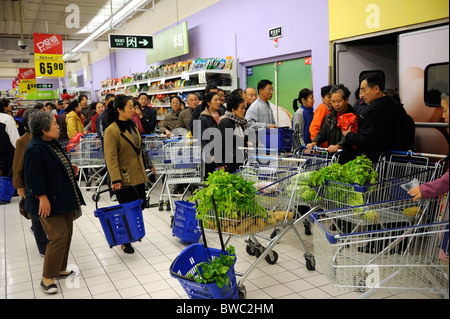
271	209
389	251
88	155
393	169
154	146
182	165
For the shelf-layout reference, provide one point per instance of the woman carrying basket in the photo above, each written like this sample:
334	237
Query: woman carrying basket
123	154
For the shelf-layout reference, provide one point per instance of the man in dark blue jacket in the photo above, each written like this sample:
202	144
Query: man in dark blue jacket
385	125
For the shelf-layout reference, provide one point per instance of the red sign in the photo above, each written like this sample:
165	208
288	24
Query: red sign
27	74
48	43
308	60
15	83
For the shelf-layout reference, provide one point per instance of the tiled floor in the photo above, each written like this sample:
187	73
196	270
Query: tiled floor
106	273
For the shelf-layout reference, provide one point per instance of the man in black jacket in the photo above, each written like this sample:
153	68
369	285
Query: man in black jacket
385	126
148	119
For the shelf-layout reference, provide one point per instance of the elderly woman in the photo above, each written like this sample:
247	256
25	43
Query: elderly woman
52	194
171	119
330	132
233	126
19	181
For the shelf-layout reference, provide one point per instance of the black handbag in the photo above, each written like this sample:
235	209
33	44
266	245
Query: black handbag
148	164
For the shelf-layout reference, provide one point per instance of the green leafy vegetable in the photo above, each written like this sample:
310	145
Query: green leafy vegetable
234	196
215	270
358	171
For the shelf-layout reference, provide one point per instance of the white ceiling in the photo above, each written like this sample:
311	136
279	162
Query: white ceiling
49	16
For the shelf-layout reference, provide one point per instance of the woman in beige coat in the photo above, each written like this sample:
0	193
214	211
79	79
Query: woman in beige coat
123	154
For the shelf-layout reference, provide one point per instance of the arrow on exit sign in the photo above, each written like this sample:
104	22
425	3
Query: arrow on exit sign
122	41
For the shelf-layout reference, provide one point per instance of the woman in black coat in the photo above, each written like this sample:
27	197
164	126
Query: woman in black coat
233	126
209	118
52	194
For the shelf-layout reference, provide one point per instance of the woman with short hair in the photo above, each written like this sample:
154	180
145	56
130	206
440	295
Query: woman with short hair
233	122
52	194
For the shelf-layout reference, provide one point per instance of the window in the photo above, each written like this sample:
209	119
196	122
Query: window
436	83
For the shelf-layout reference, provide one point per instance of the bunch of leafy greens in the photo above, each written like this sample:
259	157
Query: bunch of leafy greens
358	171
215	269
234	197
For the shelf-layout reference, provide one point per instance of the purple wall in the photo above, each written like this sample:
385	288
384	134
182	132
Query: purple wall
240	29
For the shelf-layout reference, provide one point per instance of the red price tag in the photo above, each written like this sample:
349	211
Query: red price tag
308	60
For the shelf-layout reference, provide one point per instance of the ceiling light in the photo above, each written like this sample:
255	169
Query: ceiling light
115	19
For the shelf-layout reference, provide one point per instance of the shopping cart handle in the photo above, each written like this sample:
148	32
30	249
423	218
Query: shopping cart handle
275	158
258	149
96	196
418	154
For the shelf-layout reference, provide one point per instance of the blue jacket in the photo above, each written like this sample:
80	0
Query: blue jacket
45	174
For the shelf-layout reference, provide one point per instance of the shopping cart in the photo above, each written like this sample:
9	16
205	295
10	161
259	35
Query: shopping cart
182	165
88	155
389	252
393	169
154	146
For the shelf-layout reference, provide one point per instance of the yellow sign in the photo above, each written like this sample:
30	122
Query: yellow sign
49	65
349	18
27	86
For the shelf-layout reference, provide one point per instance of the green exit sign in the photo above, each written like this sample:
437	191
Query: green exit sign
122	41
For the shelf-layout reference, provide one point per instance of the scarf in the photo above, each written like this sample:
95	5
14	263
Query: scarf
81	118
241	126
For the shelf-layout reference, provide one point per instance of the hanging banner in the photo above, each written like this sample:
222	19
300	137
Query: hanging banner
170	43
27	81
48	55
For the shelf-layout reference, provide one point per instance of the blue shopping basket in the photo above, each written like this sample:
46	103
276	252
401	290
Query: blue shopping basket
6	189
187	261
122	223
185	225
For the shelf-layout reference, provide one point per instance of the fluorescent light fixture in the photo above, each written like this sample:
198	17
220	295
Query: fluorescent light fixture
116	18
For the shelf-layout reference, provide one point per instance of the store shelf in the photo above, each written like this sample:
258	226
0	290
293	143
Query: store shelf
185	75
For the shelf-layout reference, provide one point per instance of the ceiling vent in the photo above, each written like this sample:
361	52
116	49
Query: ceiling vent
20	61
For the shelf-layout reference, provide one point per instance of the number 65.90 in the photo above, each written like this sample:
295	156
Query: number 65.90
50	67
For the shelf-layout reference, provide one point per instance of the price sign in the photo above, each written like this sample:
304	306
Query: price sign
49	65
27	86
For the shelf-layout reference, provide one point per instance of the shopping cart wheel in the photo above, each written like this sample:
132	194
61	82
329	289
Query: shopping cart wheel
272	257
161	206
310	262
242	292
250	250
307	226
95	197
275	233
168	206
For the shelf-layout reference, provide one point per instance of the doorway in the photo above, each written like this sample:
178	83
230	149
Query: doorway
288	78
